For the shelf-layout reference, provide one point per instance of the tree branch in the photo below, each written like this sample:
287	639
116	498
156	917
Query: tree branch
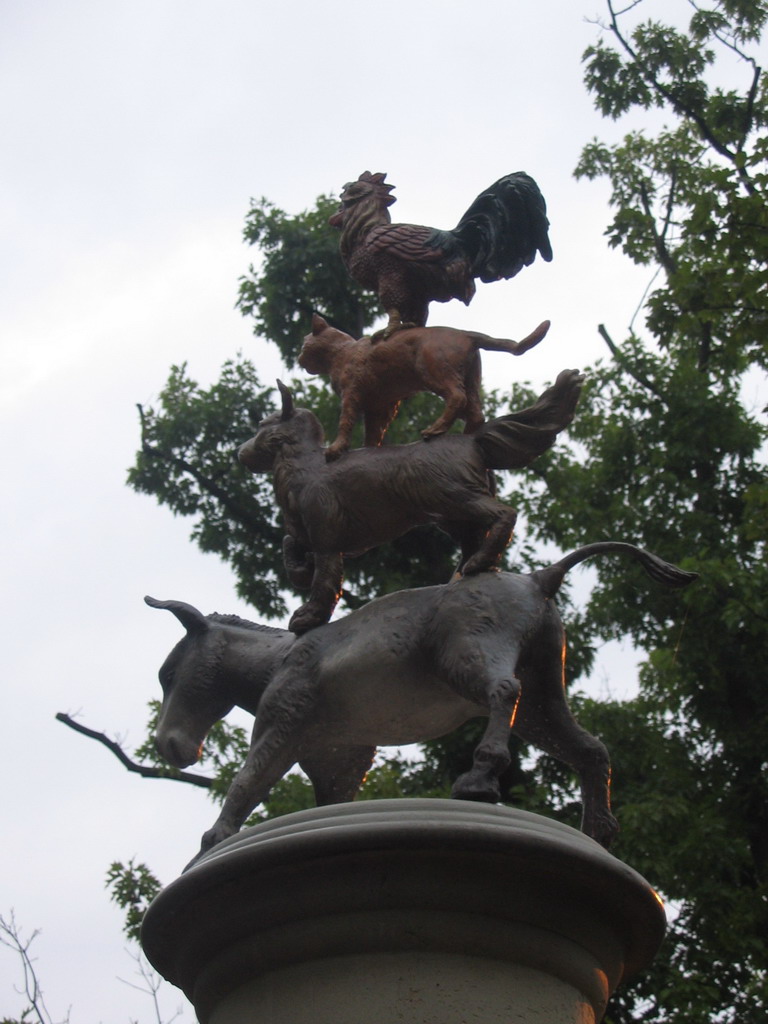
147	771
622	360
659	237
234	508
11	936
680	108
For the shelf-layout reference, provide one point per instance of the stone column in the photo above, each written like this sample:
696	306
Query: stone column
413	911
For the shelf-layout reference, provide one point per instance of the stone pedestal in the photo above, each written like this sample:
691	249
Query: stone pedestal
413	911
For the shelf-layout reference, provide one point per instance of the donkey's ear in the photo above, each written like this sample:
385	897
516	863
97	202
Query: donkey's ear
287	397
191	619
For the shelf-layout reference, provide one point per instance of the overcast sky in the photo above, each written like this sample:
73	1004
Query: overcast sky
134	135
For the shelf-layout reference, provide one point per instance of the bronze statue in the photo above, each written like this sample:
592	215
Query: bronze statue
372	495
405	668
409	265
373	378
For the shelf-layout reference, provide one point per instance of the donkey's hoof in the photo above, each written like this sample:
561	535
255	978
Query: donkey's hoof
478	787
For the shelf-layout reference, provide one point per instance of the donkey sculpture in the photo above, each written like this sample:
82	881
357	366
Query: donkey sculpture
406	668
370	496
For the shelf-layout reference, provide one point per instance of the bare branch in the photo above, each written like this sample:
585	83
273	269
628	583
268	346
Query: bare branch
147	771
641	304
627	9
11	937
151	985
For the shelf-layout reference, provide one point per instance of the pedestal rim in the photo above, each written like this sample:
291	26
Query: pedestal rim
521	868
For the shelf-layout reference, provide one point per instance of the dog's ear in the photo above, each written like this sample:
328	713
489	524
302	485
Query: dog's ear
318	324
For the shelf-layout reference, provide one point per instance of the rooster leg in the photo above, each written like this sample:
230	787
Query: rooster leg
396	323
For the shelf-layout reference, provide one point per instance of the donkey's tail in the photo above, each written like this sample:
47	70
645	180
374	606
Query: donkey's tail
551	578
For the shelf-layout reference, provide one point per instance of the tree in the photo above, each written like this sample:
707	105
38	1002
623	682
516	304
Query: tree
35	1012
302	272
190	438
667	454
670	455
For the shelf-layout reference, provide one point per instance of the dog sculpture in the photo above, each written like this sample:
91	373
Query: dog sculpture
370	496
405	668
373	378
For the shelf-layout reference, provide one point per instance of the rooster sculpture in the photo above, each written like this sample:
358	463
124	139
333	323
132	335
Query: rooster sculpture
409	266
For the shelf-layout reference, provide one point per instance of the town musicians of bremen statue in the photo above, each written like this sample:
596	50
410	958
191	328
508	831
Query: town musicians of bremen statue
413	665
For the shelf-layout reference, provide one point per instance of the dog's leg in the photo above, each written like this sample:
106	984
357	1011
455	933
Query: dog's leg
299	563
324	595
496	539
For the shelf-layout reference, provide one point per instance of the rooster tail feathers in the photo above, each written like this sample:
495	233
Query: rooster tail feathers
504	228
515	440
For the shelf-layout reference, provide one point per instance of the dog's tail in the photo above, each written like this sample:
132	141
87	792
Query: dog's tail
551	578
515	440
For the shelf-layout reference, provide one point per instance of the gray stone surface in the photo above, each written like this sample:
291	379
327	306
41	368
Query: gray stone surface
423	911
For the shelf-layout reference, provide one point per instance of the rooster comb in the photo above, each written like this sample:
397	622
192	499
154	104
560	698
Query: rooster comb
378	181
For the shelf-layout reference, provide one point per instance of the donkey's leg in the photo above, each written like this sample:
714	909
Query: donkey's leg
324	594
481	670
545	720
337	775
269	758
491	755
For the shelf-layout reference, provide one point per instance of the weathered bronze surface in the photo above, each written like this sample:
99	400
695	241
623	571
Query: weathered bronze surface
403	669
372	495
373	377
410	265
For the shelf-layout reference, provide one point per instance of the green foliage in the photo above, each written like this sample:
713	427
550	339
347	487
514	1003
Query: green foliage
224	750
389	778
132	887
188	462
667	454
301	272
691	200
